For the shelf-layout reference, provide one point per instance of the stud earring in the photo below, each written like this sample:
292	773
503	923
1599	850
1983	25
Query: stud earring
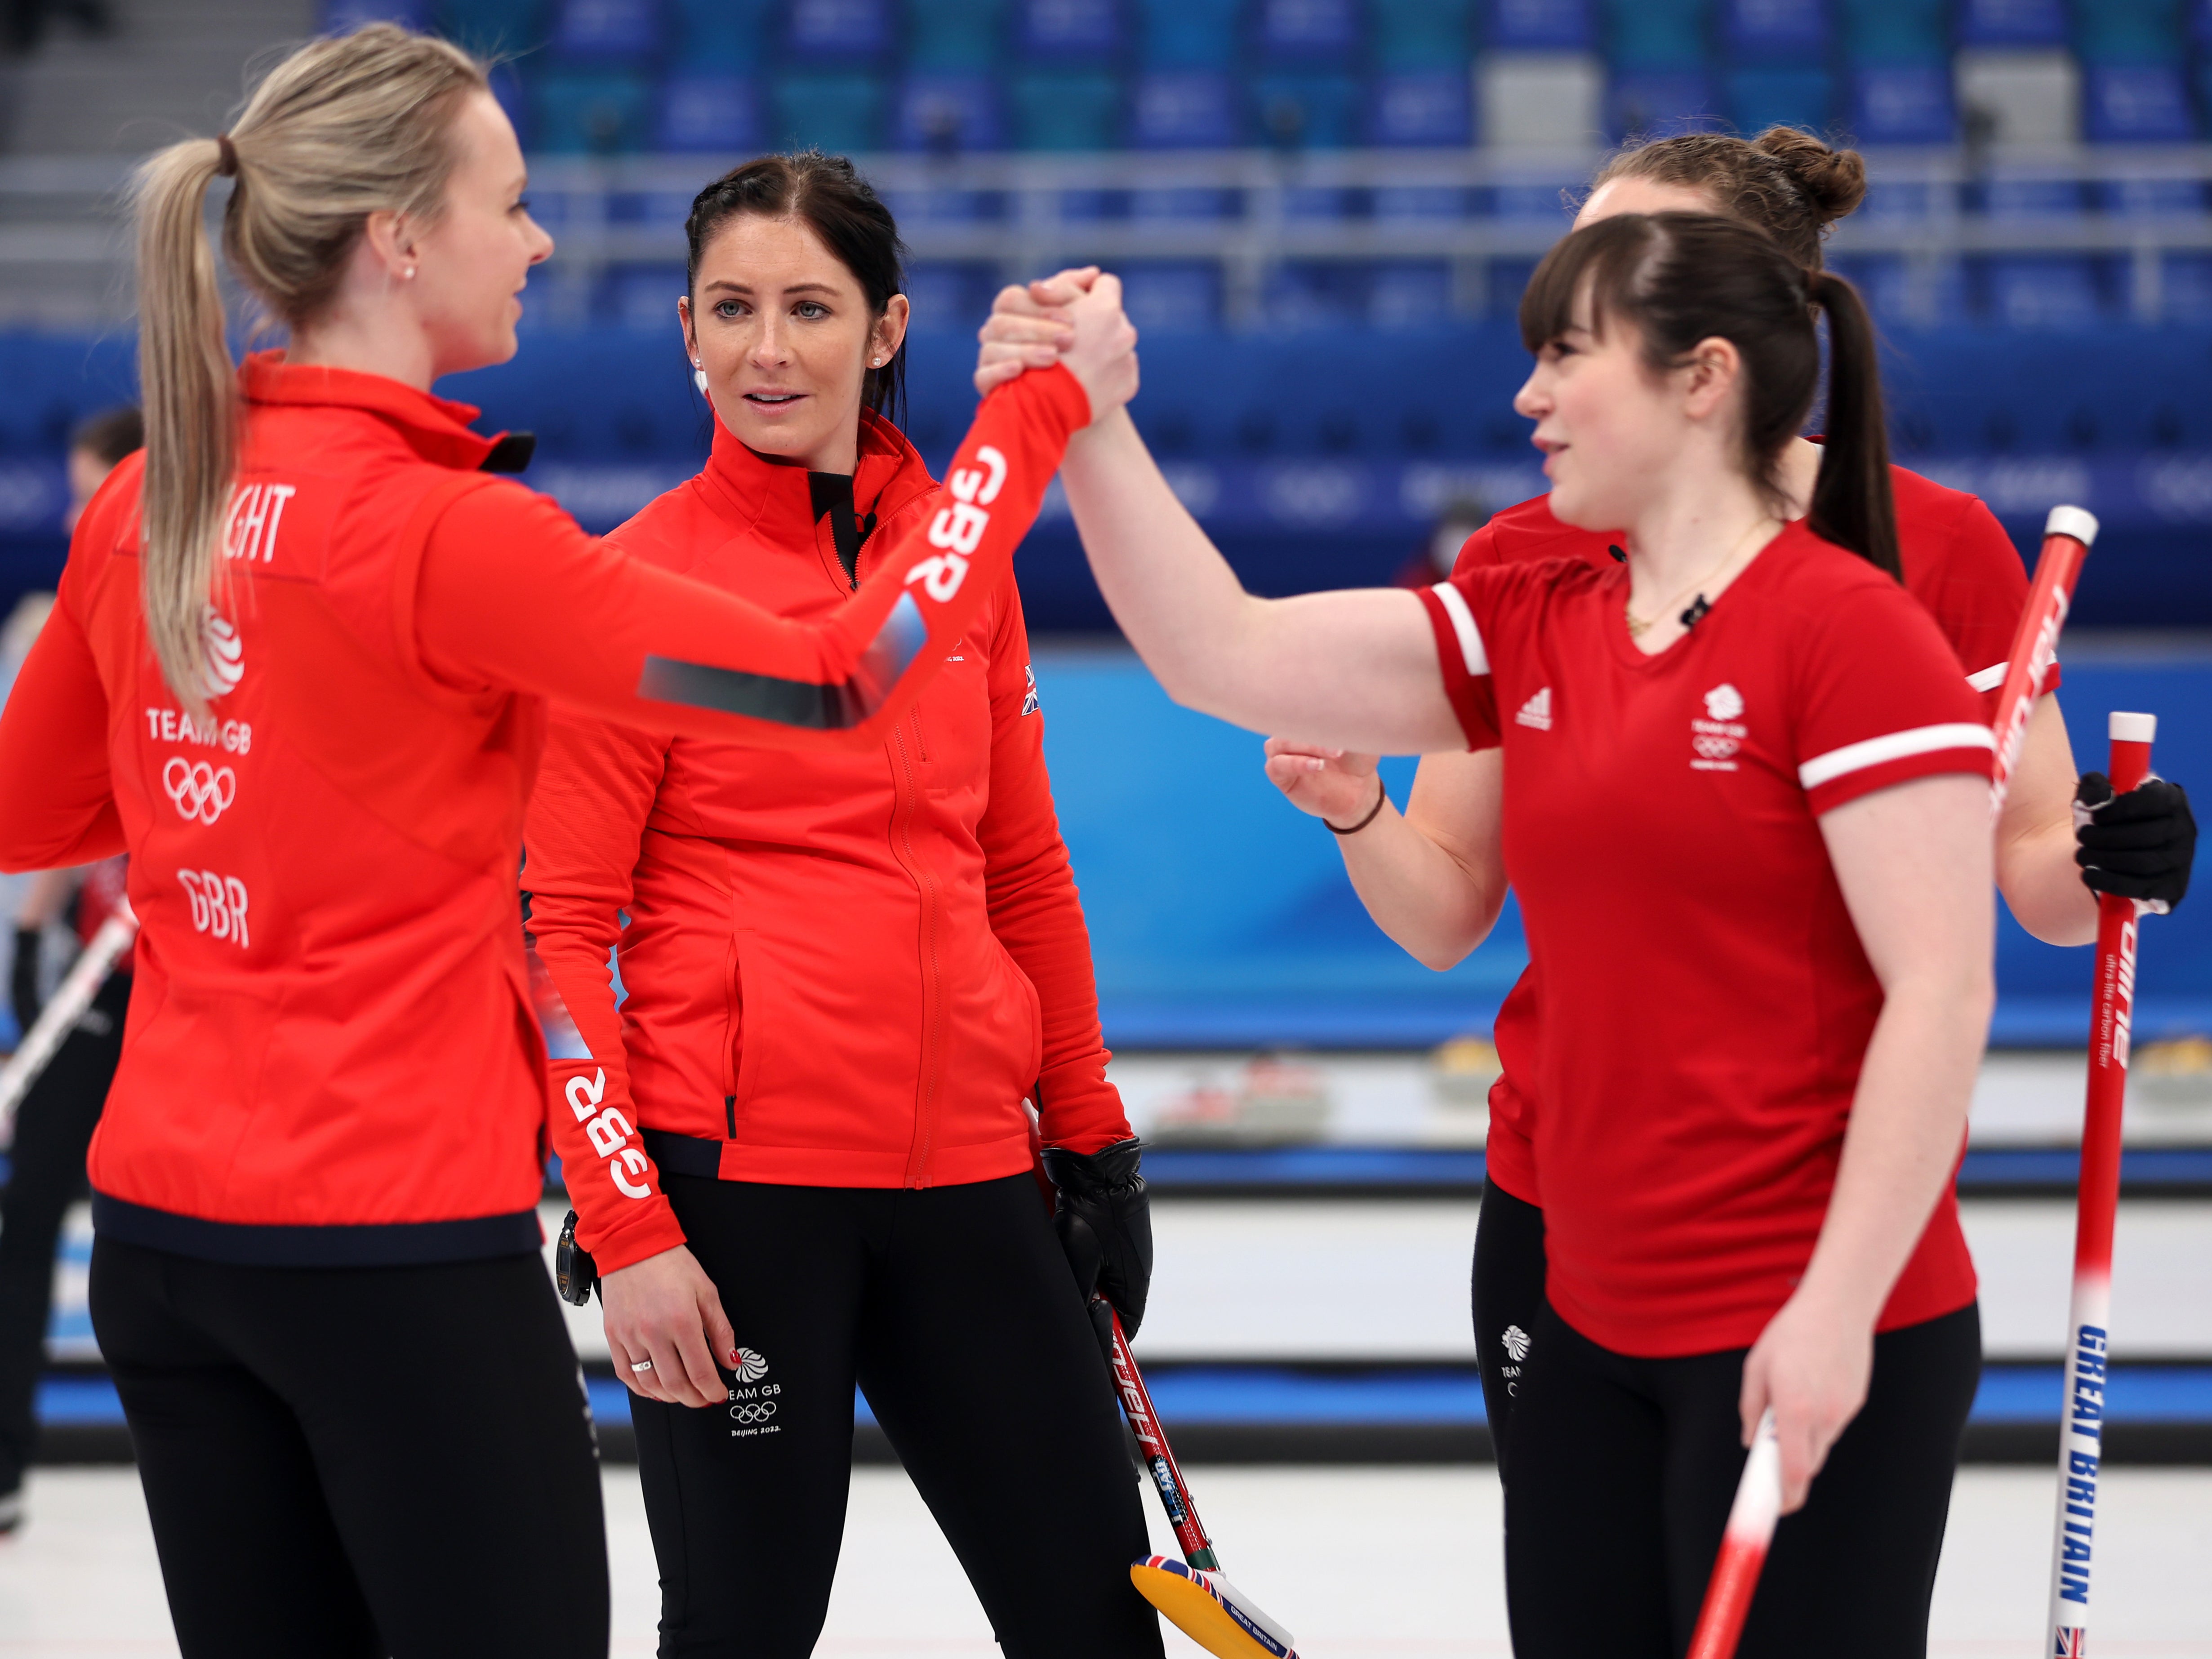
410	273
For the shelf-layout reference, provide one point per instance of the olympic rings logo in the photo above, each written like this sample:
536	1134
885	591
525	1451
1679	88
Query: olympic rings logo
1713	747
758	1411
198	791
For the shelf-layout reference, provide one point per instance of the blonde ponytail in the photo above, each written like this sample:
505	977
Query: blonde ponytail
344	127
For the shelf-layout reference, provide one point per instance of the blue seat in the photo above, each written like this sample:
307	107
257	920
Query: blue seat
1182	204
1401	202
1779	31
1189	34
837	113
1172	298
1896	31
1307	112
1063	31
843	31
2130	32
1656	34
591	111
1903	104
947	112
1410	294
1658	103
1421	107
2136	103
600	32
2182	198
2031	199
953	35
2187	281
2044	290
1309	30
2012	22
1762	98
1317	293
491	27
719	36
641	297
1184	109
949	298
1887	284
1542	25
1067	110
340	16
1412	35
710	113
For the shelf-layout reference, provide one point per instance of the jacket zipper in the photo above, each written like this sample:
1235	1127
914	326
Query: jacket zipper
928	1083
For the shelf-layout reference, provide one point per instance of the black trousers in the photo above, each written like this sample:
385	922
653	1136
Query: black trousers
954	1309
359	1462
1508	1287
53	1126
1621	1472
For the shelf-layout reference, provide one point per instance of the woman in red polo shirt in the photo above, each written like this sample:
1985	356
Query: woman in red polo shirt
353	1401
844	975
1749	834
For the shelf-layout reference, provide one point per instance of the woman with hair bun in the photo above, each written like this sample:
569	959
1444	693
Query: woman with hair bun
845	977
1749	832
300	670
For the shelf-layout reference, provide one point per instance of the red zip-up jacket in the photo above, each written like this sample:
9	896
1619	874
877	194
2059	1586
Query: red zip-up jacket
841	970
331	1055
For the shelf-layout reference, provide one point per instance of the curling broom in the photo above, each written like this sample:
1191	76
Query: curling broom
1192	1592
2068	534
2081	1440
60	1015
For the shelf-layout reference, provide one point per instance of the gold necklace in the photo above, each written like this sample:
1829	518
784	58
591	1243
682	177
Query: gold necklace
1639	626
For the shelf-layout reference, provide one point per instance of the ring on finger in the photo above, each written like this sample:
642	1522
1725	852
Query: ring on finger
641	1366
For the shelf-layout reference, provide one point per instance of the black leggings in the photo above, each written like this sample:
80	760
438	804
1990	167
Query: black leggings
46	1174
1621	1474
953	1308
1507	1295
359	1462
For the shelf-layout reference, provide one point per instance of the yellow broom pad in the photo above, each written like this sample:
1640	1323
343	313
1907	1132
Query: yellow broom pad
1200	1613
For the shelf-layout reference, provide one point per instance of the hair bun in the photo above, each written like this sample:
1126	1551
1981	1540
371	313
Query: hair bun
1834	180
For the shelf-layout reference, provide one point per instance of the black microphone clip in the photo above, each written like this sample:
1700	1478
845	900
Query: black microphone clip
1696	613
1619	555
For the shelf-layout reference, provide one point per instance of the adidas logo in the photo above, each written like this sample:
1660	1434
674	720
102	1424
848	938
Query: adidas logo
1537	711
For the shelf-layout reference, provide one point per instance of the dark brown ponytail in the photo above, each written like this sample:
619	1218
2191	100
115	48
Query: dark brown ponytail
1852	504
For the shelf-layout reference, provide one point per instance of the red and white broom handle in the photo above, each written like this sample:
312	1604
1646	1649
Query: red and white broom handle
63	1011
1743	1547
2068	534
1159	1462
2080	1436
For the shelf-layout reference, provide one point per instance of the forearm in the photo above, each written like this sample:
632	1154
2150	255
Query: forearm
46	896
1908	1122
1431	904
2043	887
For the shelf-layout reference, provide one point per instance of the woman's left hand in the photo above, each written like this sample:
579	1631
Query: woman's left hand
1029	326
1811	1365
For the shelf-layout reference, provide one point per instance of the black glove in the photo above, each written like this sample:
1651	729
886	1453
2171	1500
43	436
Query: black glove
2139	845
1104	1221
23	982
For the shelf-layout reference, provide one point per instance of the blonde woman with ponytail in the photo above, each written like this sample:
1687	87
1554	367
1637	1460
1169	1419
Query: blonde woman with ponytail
300	669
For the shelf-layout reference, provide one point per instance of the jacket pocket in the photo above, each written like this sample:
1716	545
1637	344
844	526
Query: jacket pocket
751	1021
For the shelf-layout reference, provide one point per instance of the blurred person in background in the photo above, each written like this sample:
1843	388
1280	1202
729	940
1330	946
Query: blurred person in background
1431	562
54	1124
846	976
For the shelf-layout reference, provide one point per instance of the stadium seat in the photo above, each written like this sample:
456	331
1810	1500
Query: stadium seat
602	32
1390	201
2038	291
2129	32
341	16
713	114
2029	198
838	113
952	36
1407	294
845	30
1542	25
1883	32
1317	293
1903	104
944	112
1309	30
1890	286
1412	35
948	298
2187	281
2012	22
2152	197
1306	111
591	111
1655	103
641	297
1189	34
1184	109
1781	32
1067	110
719	36
1762	98
1656	34
492	27
2136	103
1421	107
1172	298
1070	31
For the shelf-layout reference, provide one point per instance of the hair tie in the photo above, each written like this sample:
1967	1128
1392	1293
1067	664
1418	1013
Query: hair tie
226	165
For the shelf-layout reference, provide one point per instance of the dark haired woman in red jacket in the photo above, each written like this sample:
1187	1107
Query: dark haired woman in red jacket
798	1150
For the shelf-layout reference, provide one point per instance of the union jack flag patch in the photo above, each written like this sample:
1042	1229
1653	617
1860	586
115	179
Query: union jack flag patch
2073	1641
1030	703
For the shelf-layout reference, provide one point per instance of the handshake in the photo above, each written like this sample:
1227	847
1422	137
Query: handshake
1074	317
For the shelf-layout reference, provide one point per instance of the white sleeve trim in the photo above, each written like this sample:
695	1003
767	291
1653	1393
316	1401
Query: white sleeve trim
1920	740
1989	678
1462	621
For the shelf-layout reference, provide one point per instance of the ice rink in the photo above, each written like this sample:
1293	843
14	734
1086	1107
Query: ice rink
1360	1563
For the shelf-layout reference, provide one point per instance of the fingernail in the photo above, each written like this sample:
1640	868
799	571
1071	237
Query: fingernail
733	1356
